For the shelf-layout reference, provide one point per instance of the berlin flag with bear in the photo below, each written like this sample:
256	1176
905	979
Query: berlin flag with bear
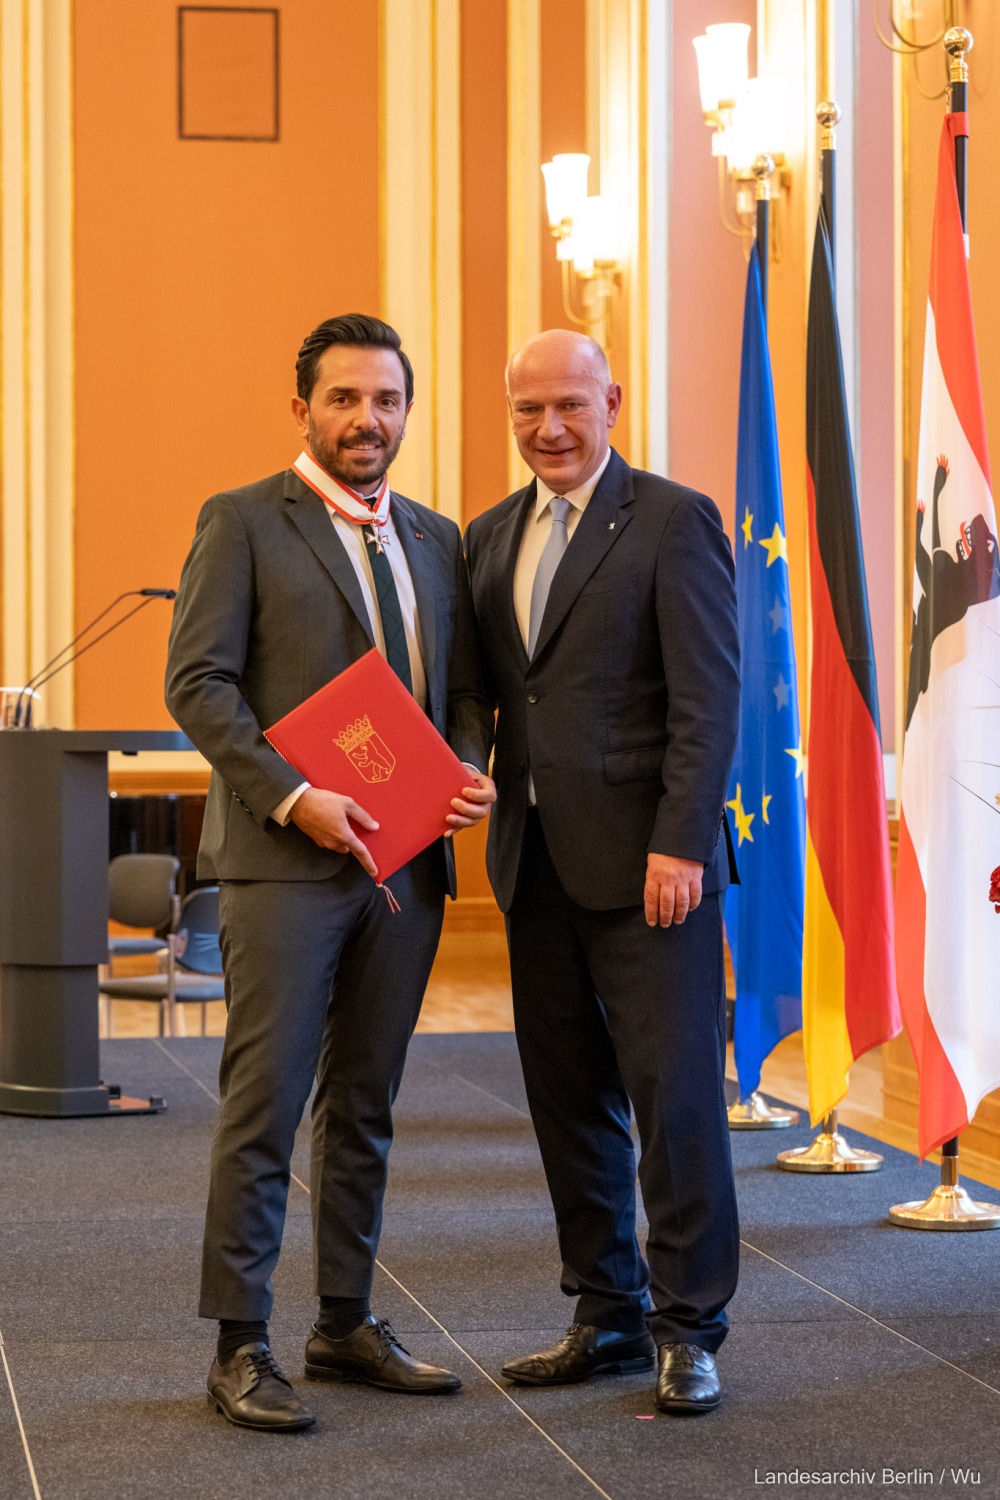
947	929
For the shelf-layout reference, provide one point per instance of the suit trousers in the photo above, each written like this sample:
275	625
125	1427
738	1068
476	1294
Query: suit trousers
609	1010
323	982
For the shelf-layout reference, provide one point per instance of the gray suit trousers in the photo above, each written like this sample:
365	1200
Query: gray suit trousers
322	981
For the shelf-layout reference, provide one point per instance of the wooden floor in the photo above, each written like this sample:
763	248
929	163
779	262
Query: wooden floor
469	990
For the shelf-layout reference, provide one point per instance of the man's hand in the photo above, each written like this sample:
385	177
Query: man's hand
474	803
323	816
673	888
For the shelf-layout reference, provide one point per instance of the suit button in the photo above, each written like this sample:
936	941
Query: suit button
532	697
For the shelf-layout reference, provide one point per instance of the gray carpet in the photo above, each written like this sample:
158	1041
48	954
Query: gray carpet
854	1346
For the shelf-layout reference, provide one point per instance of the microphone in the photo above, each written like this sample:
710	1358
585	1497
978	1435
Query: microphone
22	708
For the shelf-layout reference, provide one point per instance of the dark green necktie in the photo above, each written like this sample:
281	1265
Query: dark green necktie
396	653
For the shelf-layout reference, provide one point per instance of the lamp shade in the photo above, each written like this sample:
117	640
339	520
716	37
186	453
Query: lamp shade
565	186
755	126
596	233
722	64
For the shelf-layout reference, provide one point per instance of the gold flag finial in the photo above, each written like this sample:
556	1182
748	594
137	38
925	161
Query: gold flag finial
762	168
958	43
828	114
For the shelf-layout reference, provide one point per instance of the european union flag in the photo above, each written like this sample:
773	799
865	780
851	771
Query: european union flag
766	794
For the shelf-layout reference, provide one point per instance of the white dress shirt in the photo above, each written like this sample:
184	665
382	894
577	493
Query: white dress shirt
533	539
356	548
536	534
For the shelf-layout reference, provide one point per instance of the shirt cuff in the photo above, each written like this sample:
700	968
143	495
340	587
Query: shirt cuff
283	810
470	767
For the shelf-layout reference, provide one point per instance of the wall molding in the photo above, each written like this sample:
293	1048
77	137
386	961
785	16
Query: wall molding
524	192
420	207
36	319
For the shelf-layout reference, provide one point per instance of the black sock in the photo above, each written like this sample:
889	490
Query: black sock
235	1332
339	1316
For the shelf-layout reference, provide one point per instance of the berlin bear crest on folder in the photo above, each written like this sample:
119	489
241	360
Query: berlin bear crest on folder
366	750
365	736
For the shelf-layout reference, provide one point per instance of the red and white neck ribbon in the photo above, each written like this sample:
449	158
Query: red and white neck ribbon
363	510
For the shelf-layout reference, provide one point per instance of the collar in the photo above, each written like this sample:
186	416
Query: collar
361	509
579	497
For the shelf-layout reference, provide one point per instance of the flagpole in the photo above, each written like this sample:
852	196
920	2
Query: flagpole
957	43
763	167
950	1206
752	1111
828	115
829	1151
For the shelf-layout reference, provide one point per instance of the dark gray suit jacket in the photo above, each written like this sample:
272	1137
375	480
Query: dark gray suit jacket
627	713
269	610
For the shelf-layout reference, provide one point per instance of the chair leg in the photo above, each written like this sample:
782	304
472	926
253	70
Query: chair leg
204	1018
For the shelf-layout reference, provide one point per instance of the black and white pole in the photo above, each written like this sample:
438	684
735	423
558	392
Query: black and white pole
949	1206
829	1151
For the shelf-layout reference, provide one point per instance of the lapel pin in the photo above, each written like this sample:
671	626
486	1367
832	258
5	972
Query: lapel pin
419	535
611	525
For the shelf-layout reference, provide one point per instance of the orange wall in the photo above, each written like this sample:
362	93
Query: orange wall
200	265
484	255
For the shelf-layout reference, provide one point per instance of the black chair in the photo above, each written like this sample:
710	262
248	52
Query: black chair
142	892
193	965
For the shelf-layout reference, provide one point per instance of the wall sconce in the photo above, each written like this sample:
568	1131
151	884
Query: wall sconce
588	243
744	114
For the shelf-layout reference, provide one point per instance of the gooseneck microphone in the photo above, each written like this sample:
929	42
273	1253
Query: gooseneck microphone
22	709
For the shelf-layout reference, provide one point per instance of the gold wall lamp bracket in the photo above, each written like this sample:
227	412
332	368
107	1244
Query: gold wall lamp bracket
745	125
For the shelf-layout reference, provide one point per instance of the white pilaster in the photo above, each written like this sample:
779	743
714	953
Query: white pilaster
36	301
421	271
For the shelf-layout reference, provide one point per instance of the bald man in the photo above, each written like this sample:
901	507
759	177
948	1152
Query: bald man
607	610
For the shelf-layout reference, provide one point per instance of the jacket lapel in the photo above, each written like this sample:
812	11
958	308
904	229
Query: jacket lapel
505	544
310	515
608	512
423	571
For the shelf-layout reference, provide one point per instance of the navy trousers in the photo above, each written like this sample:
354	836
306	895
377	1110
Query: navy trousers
608	1011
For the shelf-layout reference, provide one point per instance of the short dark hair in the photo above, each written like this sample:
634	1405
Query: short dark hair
354	331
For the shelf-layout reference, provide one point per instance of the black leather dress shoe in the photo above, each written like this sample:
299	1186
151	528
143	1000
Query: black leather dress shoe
686	1380
582	1352
372	1353
252	1392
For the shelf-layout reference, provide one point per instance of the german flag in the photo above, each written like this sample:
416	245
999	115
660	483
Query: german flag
849	998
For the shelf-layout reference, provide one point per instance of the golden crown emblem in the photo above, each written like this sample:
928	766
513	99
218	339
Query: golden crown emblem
355	734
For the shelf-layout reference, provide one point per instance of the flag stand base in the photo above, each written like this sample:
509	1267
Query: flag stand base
948	1207
829	1152
753	1113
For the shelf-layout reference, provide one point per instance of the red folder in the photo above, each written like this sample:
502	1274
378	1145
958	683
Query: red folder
365	736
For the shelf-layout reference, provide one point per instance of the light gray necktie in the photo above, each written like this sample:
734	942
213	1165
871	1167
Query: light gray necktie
558	541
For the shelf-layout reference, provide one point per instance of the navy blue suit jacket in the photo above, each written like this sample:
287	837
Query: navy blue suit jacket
627	713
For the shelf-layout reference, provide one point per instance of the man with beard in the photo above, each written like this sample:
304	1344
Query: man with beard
288	582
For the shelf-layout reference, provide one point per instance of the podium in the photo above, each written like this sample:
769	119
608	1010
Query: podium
54	917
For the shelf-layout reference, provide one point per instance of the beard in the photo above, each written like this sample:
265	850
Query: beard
336	457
